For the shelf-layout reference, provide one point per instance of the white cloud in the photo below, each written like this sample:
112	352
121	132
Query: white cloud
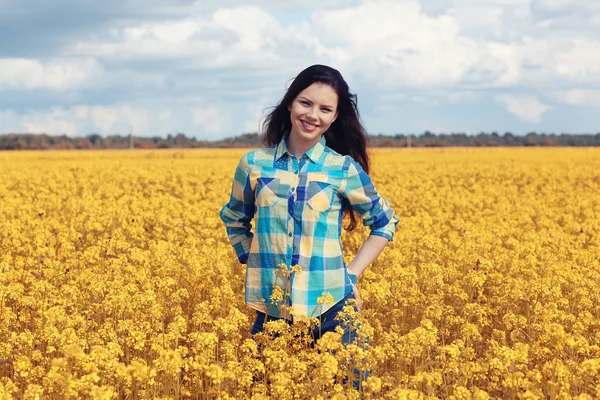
472	43
452	49
194	119
553	5
578	97
566	18
460	96
212	121
422	51
418	51
526	107
565	6
57	121
486	70
123	119
581	62
243	35
77	120
163	40
59	74
213	67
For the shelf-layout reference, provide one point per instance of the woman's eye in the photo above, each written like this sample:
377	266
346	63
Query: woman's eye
325	110
304	103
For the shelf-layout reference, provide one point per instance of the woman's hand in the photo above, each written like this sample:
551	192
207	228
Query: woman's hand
357	297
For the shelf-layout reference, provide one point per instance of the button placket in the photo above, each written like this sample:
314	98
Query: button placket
295	169
295	166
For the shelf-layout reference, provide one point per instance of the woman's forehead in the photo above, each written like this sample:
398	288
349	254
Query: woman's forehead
320	93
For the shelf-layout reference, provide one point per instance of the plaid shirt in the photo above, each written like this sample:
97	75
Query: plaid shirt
298	208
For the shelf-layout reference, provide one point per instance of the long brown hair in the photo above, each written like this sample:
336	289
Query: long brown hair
346	135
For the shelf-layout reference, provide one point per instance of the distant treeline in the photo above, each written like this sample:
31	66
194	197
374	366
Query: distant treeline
18	141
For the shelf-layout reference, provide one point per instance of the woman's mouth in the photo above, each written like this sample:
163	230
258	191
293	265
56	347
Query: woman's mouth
308	126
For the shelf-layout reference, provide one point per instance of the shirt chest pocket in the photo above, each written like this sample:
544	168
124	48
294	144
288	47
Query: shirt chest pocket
270	191
319	196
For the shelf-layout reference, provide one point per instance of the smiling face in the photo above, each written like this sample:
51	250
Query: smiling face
312	112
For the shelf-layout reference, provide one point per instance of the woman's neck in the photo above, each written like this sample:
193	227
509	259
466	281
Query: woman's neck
298	147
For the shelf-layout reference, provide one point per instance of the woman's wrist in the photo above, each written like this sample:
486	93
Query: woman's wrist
354	269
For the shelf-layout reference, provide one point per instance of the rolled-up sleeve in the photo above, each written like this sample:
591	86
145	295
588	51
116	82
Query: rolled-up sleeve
365	200
237	214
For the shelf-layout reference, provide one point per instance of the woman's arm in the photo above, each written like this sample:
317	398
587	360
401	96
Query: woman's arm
376	213
238	213
368	252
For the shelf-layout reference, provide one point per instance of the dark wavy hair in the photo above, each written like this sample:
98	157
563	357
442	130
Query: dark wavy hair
346	135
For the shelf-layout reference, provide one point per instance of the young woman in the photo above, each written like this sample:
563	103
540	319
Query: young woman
313	171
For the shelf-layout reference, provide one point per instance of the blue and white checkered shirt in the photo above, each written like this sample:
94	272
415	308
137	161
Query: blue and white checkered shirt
298	209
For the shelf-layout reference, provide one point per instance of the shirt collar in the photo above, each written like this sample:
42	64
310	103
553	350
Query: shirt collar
314	153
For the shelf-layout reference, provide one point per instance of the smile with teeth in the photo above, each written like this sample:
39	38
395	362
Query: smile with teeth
308	126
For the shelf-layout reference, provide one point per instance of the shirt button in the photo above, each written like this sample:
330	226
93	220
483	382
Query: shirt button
293	189
290	234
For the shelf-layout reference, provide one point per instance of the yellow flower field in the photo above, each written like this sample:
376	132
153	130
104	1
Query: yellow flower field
117	281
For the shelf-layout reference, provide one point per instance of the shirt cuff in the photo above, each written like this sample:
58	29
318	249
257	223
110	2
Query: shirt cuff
387	231
352	277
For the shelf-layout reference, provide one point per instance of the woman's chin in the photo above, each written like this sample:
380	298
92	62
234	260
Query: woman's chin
309	136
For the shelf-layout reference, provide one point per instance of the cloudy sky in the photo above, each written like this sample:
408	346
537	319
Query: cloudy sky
211	68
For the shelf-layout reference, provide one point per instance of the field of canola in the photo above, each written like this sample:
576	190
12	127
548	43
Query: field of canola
117	281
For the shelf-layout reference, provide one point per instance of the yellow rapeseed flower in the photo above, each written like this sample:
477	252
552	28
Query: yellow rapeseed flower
117	280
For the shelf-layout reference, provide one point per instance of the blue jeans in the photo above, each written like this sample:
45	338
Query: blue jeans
328	324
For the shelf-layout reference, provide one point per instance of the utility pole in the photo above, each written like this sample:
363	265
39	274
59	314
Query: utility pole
131	139
408	140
